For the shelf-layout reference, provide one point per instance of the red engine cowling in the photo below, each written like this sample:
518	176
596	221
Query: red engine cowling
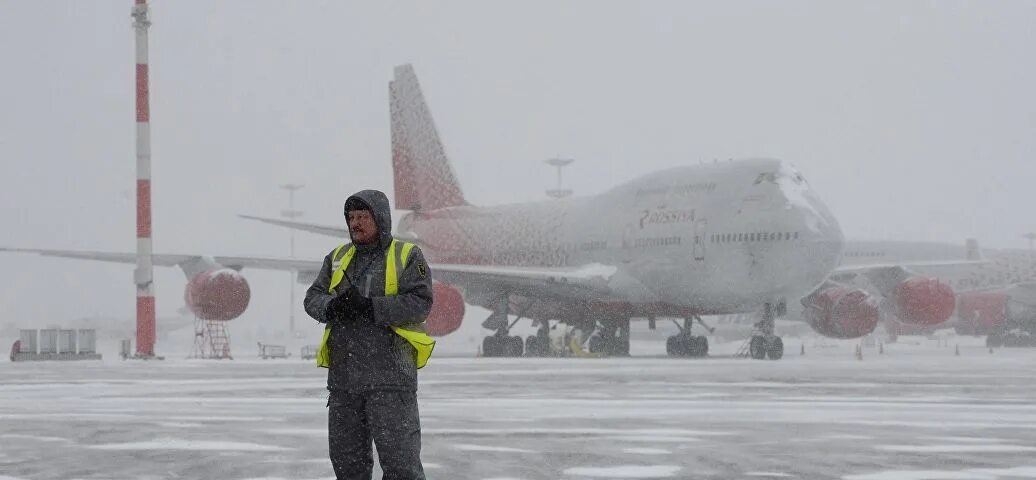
923	301
839	312
447	310
217	295
981	313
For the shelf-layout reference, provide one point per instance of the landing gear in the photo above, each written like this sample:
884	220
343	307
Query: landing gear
502	346
762	347
685	344
764	344
539	345
612	338
1012	338
501	343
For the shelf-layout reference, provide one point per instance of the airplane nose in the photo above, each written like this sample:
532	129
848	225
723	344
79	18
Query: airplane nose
824	237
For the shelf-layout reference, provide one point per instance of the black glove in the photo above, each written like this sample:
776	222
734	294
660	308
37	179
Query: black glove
357	304
337	309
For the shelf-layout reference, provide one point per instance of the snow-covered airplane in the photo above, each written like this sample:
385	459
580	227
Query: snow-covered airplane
719	238
994	289
715	238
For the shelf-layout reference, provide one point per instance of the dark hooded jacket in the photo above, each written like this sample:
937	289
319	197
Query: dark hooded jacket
365	353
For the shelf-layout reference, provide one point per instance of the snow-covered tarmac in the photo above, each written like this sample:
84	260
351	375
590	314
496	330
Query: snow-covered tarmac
914	413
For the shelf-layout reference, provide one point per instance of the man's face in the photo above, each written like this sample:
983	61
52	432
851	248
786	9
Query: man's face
362	227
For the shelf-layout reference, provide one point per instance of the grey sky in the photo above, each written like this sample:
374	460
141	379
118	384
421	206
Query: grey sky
913	120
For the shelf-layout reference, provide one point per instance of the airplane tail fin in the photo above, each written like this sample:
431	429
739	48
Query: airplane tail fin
973	252
424	179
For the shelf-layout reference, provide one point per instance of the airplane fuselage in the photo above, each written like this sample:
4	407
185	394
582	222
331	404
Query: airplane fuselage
701	239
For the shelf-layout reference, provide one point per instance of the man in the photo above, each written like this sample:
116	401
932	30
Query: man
373	295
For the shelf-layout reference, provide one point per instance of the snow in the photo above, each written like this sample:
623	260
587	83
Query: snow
488	448
904	415
625	471
966	474
177	444
647	451
921	475
956	448
1015	472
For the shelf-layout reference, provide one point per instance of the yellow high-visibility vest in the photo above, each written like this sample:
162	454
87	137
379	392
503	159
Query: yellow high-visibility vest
422	343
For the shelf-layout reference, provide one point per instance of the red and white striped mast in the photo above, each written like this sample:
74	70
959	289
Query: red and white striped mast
143	276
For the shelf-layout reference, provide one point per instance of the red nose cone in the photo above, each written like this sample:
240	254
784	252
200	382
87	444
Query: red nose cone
447	310
924	301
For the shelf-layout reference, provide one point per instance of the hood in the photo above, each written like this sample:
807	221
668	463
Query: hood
379	205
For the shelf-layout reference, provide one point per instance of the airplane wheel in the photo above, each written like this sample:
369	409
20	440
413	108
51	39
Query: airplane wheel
692	347
775	349
514	345
994	341
536	346
757	347
702	346
490	347
671	347
677	346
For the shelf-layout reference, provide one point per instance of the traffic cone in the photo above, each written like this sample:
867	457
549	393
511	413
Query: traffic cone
881	349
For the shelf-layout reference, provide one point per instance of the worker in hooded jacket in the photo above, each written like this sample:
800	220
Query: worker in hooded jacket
373	296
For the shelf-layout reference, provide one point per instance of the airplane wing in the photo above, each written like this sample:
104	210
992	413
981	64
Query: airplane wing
588	280
173	260
885	277
337	232
115	257
593	279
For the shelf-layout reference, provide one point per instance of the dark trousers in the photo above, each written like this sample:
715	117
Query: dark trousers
388	418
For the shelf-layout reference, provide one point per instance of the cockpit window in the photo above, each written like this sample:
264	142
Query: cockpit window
785	174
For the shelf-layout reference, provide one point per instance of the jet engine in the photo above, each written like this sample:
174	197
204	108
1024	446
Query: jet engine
221	294
841	312
447	310
923	301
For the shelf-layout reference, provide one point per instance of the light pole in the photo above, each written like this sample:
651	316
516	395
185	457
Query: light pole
1030	237
292	214
559	163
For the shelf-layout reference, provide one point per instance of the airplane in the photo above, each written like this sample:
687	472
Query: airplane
704	239
995	290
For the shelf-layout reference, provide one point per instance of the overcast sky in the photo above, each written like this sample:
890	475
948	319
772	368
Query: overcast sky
913	120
